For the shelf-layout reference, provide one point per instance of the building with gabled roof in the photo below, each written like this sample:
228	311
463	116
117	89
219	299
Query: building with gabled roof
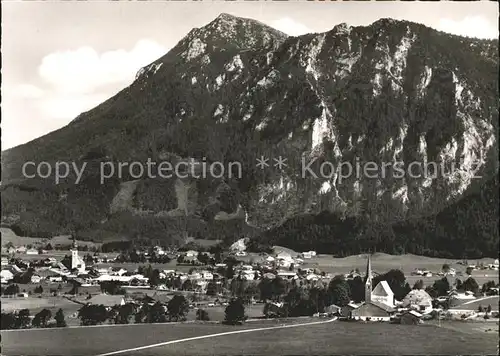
107	300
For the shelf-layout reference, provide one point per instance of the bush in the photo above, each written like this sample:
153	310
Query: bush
202	315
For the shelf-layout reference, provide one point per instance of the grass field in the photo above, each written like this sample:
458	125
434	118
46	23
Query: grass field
10	236
323	339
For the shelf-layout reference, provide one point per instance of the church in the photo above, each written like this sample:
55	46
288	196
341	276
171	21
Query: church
76	261
379	301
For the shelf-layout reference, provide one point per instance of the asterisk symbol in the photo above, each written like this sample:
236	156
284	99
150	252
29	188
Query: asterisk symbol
280	162
262	162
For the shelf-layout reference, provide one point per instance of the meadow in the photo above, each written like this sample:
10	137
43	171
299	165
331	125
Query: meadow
321	339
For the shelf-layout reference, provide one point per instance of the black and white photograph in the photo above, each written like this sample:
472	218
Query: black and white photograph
223	178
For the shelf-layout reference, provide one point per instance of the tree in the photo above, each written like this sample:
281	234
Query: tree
156	313
8	321
439	288
92	314
38	289
140	315
445	268
112	287
212	288
357	288
470	284
235	312
187	285
23	319
178	307
339	291
12	289
202	315
59	317
487	286
230	271
469	270
41	318
419	284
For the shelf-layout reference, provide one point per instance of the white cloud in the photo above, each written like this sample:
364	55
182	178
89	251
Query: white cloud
290	27
83	70
75	81
471	26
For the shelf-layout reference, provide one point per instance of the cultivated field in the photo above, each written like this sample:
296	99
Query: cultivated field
320	339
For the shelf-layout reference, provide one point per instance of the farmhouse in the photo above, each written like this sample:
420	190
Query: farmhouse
372	311
107	300
6	275
410	317
419	300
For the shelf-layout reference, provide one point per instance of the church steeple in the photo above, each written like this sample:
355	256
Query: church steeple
75	246
368	281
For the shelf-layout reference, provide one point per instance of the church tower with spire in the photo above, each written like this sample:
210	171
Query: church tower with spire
76	261
368	281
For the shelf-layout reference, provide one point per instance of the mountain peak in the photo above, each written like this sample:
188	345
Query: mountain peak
226	16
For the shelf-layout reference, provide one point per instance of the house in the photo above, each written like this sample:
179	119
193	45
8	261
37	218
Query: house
306	255
107	300
5	261
333	310
418	299
345	311
238	246
191	253
410	317
32	251
21	249
372	311
6	275
309	254
36	279
287	275
283	255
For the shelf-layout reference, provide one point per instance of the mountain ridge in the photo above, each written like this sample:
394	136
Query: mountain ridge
255	91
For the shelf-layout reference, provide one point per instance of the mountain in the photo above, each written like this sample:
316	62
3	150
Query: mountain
235	90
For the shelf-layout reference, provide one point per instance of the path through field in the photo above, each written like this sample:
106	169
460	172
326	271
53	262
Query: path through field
212	336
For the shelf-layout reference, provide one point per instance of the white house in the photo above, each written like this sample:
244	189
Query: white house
306	255
32	251
6	275
36	279
418	299
191	253
107	300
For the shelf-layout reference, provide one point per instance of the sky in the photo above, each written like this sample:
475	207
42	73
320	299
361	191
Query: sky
62	58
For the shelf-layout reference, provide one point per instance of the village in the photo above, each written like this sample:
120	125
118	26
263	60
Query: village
268	285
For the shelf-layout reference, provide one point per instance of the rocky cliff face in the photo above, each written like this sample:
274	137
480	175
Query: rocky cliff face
396	94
